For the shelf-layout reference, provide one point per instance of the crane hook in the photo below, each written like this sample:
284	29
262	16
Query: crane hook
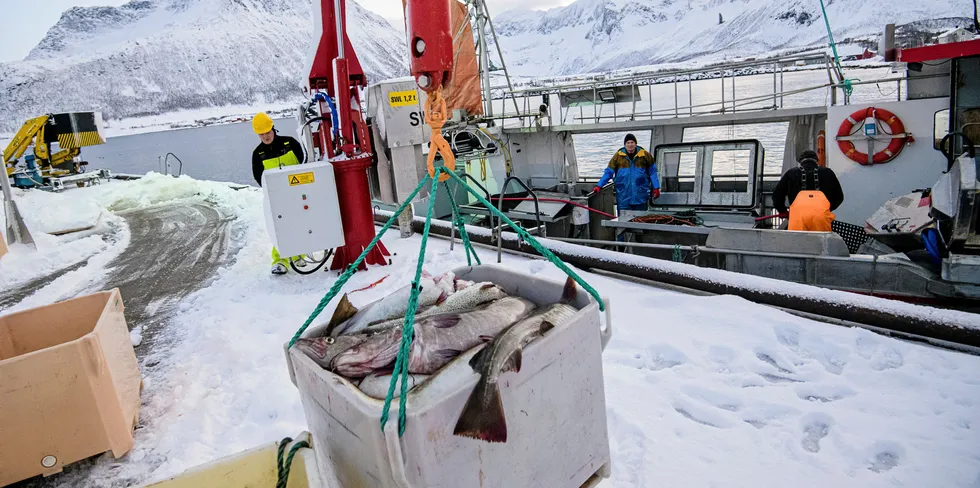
435	116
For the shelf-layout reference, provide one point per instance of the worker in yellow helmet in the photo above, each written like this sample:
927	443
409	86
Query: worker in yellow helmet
275	151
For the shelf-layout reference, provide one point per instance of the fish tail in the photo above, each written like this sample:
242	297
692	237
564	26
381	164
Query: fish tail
483	416
344	311
570	291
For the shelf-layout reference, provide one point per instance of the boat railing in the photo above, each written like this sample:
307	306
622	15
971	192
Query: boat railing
633	97
661	94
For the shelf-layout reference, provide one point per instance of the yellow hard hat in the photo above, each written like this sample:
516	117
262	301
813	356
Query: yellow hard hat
261	123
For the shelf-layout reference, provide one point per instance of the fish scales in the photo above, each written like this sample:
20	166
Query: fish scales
440	338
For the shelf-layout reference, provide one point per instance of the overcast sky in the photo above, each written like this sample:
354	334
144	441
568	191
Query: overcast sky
24	23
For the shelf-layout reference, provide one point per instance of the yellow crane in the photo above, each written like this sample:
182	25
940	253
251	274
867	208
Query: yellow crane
71	131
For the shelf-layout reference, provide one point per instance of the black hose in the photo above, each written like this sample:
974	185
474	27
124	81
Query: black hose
306	154
326	257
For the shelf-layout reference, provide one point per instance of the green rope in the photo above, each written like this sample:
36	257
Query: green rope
283	468
848	86
353	267
677	253
408	330
460	224
408	333
534	242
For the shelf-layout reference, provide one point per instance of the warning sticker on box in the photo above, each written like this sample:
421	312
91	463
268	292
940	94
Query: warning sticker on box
300	179
403	98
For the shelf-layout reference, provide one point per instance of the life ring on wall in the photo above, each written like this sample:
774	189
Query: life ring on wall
899	138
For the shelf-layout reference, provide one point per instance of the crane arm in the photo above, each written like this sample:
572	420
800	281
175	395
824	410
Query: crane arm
430	42
33	128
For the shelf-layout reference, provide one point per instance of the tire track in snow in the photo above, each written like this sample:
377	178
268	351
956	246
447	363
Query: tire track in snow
173	251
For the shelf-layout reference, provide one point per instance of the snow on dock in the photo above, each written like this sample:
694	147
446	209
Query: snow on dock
700	390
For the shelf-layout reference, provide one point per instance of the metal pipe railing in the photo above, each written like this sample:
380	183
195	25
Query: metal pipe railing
674	74
500	209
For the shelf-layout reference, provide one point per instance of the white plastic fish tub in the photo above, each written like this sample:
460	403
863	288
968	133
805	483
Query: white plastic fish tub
555	409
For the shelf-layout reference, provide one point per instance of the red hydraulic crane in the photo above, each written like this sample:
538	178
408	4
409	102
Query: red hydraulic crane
335	80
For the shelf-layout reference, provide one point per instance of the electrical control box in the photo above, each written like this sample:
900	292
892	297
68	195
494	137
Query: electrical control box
302	212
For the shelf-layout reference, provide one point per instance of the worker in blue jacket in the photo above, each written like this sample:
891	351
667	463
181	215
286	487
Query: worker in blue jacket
635	174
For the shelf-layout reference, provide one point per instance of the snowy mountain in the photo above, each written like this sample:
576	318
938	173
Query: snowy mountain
153	56
602	35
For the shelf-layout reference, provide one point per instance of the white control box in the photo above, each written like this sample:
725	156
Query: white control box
302	212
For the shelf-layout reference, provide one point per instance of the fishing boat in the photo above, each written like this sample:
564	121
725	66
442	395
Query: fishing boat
906	229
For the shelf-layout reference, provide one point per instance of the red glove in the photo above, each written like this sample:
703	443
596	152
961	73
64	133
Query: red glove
655	194
597	189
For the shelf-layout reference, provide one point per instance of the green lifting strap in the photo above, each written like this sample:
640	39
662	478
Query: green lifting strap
460	224
401	361
350	270
848	86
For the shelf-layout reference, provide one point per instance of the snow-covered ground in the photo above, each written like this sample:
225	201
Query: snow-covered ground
700	391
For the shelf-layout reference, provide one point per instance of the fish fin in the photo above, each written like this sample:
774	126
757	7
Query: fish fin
448	354
442	297
513	363
477	360
570	291
487	286
426	274
483	416
444	321
344	311
486	338
546	326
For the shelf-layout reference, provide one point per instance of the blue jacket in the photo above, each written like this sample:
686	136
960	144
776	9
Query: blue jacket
634	177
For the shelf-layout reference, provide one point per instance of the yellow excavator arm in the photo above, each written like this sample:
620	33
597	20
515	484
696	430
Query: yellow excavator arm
31	130
62	156
71	131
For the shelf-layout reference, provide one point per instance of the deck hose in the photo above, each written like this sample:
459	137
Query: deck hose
314	270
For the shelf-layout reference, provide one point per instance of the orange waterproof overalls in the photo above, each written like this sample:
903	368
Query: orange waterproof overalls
810	209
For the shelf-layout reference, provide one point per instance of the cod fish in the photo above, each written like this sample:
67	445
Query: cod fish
465	299
375	385
354	355
348	319
483	415
438	339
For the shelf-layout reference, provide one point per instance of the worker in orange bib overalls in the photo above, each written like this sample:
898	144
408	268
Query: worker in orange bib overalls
813	193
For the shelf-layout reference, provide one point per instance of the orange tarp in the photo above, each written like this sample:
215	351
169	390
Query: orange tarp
464	89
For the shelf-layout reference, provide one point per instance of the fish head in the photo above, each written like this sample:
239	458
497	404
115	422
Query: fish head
480	294
323	350
491	291
368	354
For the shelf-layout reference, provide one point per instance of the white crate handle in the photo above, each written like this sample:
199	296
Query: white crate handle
606	332
396	461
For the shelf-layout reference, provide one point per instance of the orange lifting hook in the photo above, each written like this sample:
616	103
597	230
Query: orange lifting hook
435	116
